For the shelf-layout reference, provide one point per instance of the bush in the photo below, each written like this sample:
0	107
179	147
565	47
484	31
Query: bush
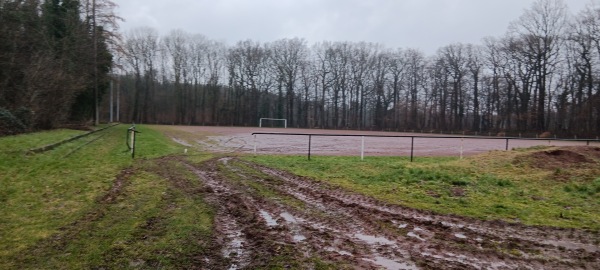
25	115
9	124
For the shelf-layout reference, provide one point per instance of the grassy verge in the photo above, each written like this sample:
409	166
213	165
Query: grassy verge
87	204
489	186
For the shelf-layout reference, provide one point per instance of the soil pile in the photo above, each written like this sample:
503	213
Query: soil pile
561	157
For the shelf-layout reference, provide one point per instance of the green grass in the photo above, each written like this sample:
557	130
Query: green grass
20	143
53	215
60	211
486	187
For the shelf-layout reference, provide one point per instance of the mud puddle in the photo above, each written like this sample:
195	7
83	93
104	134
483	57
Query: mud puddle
263	215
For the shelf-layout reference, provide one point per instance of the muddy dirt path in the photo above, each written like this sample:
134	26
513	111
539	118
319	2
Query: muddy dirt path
265	215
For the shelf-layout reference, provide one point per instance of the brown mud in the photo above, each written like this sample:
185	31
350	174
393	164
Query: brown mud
269	218
563	157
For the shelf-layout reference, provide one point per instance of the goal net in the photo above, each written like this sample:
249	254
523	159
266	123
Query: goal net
272	122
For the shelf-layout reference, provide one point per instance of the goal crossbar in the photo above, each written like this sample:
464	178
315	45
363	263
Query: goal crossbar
273	119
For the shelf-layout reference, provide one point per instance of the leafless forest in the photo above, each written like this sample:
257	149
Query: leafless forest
542	75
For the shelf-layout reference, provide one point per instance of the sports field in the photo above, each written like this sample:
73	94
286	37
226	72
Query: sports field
241	140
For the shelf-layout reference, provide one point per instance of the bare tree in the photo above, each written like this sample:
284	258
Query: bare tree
141	48
541	28
475	64
414	81
397	70
582	59
176	45
456	59
249	79
361	63
289	56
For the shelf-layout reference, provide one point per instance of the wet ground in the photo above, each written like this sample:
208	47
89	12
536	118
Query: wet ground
240	139
264	215
267	217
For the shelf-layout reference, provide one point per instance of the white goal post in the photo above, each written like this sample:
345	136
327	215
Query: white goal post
272	119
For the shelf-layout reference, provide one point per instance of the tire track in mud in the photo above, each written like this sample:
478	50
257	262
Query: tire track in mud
358	232
230	238
563	246
488	236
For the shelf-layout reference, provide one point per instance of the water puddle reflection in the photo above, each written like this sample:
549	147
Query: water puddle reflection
373	239
271	222
390	264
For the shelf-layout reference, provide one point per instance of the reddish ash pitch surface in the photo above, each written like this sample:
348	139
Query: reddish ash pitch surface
303	218
240	139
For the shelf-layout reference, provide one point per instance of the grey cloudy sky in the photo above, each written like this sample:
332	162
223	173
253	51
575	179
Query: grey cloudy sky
423	24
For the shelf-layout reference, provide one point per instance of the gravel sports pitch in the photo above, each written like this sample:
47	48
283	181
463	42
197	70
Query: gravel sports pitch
240	139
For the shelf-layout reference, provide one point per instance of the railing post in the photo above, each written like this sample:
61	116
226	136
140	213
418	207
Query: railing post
506	144
462	147
255	144
309	143
130	140
133	147
412	147
362	148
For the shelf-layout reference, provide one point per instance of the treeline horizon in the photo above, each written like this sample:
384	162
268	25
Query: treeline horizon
543	75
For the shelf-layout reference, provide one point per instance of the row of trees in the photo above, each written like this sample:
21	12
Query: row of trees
542	75
54	59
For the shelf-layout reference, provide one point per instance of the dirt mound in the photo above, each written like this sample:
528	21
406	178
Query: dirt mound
593	152
562	157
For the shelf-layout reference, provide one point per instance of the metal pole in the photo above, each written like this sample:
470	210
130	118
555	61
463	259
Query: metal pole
133	145
111	100
95	48
412	147
462	147
309	143
362	148
132	141
255	144
118	94
506	144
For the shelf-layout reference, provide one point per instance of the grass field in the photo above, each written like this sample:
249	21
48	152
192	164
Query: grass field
87	204
489	186
94	207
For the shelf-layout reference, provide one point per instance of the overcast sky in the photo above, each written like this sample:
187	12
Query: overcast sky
423	24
